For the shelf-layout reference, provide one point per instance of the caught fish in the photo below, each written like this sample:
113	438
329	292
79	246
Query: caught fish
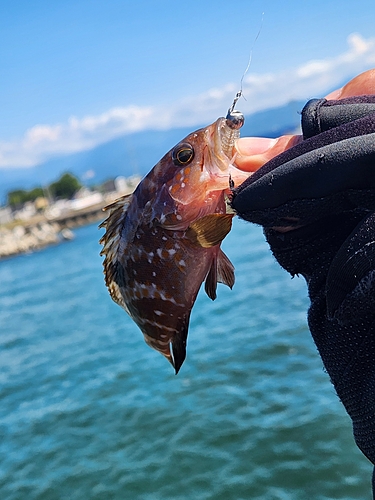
163	241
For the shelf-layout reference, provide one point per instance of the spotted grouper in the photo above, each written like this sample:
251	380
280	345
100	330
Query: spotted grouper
163	241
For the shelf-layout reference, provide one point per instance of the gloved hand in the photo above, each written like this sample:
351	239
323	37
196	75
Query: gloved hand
316	201
331	171
328	179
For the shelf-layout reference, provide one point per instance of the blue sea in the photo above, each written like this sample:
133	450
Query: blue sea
89	411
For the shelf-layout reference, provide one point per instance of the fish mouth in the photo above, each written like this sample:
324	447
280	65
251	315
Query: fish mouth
223	141
222	156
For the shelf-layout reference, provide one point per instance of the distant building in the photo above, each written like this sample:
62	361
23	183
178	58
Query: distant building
26	212
121	185
126	184
41	203
85	198
108	186
5	215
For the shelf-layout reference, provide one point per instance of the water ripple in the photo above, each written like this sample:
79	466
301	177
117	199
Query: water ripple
89	411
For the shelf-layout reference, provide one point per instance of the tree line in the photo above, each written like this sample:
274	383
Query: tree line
64	188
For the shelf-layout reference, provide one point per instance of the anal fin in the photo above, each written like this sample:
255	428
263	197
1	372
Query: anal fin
222	271
225	270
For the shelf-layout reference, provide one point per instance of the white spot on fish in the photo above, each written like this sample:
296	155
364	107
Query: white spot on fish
153	274
158	325
182	263
183	184
179	217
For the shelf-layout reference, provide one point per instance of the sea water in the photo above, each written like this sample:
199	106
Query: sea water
89	411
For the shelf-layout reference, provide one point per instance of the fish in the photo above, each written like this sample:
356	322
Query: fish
163	241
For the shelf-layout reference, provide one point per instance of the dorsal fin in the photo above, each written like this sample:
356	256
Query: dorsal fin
113	270
122	202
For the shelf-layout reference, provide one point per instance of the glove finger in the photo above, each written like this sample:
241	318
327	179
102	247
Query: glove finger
320	115
333	161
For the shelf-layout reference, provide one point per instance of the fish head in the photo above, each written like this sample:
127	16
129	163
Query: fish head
200	164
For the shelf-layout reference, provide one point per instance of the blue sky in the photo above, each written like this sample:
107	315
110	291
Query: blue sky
76	73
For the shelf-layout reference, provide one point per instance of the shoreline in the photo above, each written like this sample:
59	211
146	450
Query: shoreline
40	232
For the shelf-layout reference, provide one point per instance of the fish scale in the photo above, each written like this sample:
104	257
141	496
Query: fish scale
158	293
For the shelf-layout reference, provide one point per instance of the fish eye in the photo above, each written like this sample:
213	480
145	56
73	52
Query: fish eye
182	154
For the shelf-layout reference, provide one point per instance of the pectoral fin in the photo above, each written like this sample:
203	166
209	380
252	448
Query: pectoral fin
210	230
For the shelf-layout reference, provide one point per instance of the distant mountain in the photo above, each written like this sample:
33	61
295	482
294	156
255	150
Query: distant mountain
136	153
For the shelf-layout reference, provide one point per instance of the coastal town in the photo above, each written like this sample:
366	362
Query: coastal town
47	219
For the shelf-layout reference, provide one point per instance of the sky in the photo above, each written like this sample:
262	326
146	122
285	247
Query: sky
77	73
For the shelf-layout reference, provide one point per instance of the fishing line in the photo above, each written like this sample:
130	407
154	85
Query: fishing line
240	92
250	59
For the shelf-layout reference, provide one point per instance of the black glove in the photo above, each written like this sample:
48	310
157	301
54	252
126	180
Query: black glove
331	171
325	187
326	183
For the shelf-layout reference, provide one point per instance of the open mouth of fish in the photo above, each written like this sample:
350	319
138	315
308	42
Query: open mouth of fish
221	151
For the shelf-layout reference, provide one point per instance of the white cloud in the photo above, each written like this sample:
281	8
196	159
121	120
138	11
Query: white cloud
262	91
44	141
312	79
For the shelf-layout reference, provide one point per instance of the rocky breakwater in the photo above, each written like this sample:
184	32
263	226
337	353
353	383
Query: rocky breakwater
24	239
